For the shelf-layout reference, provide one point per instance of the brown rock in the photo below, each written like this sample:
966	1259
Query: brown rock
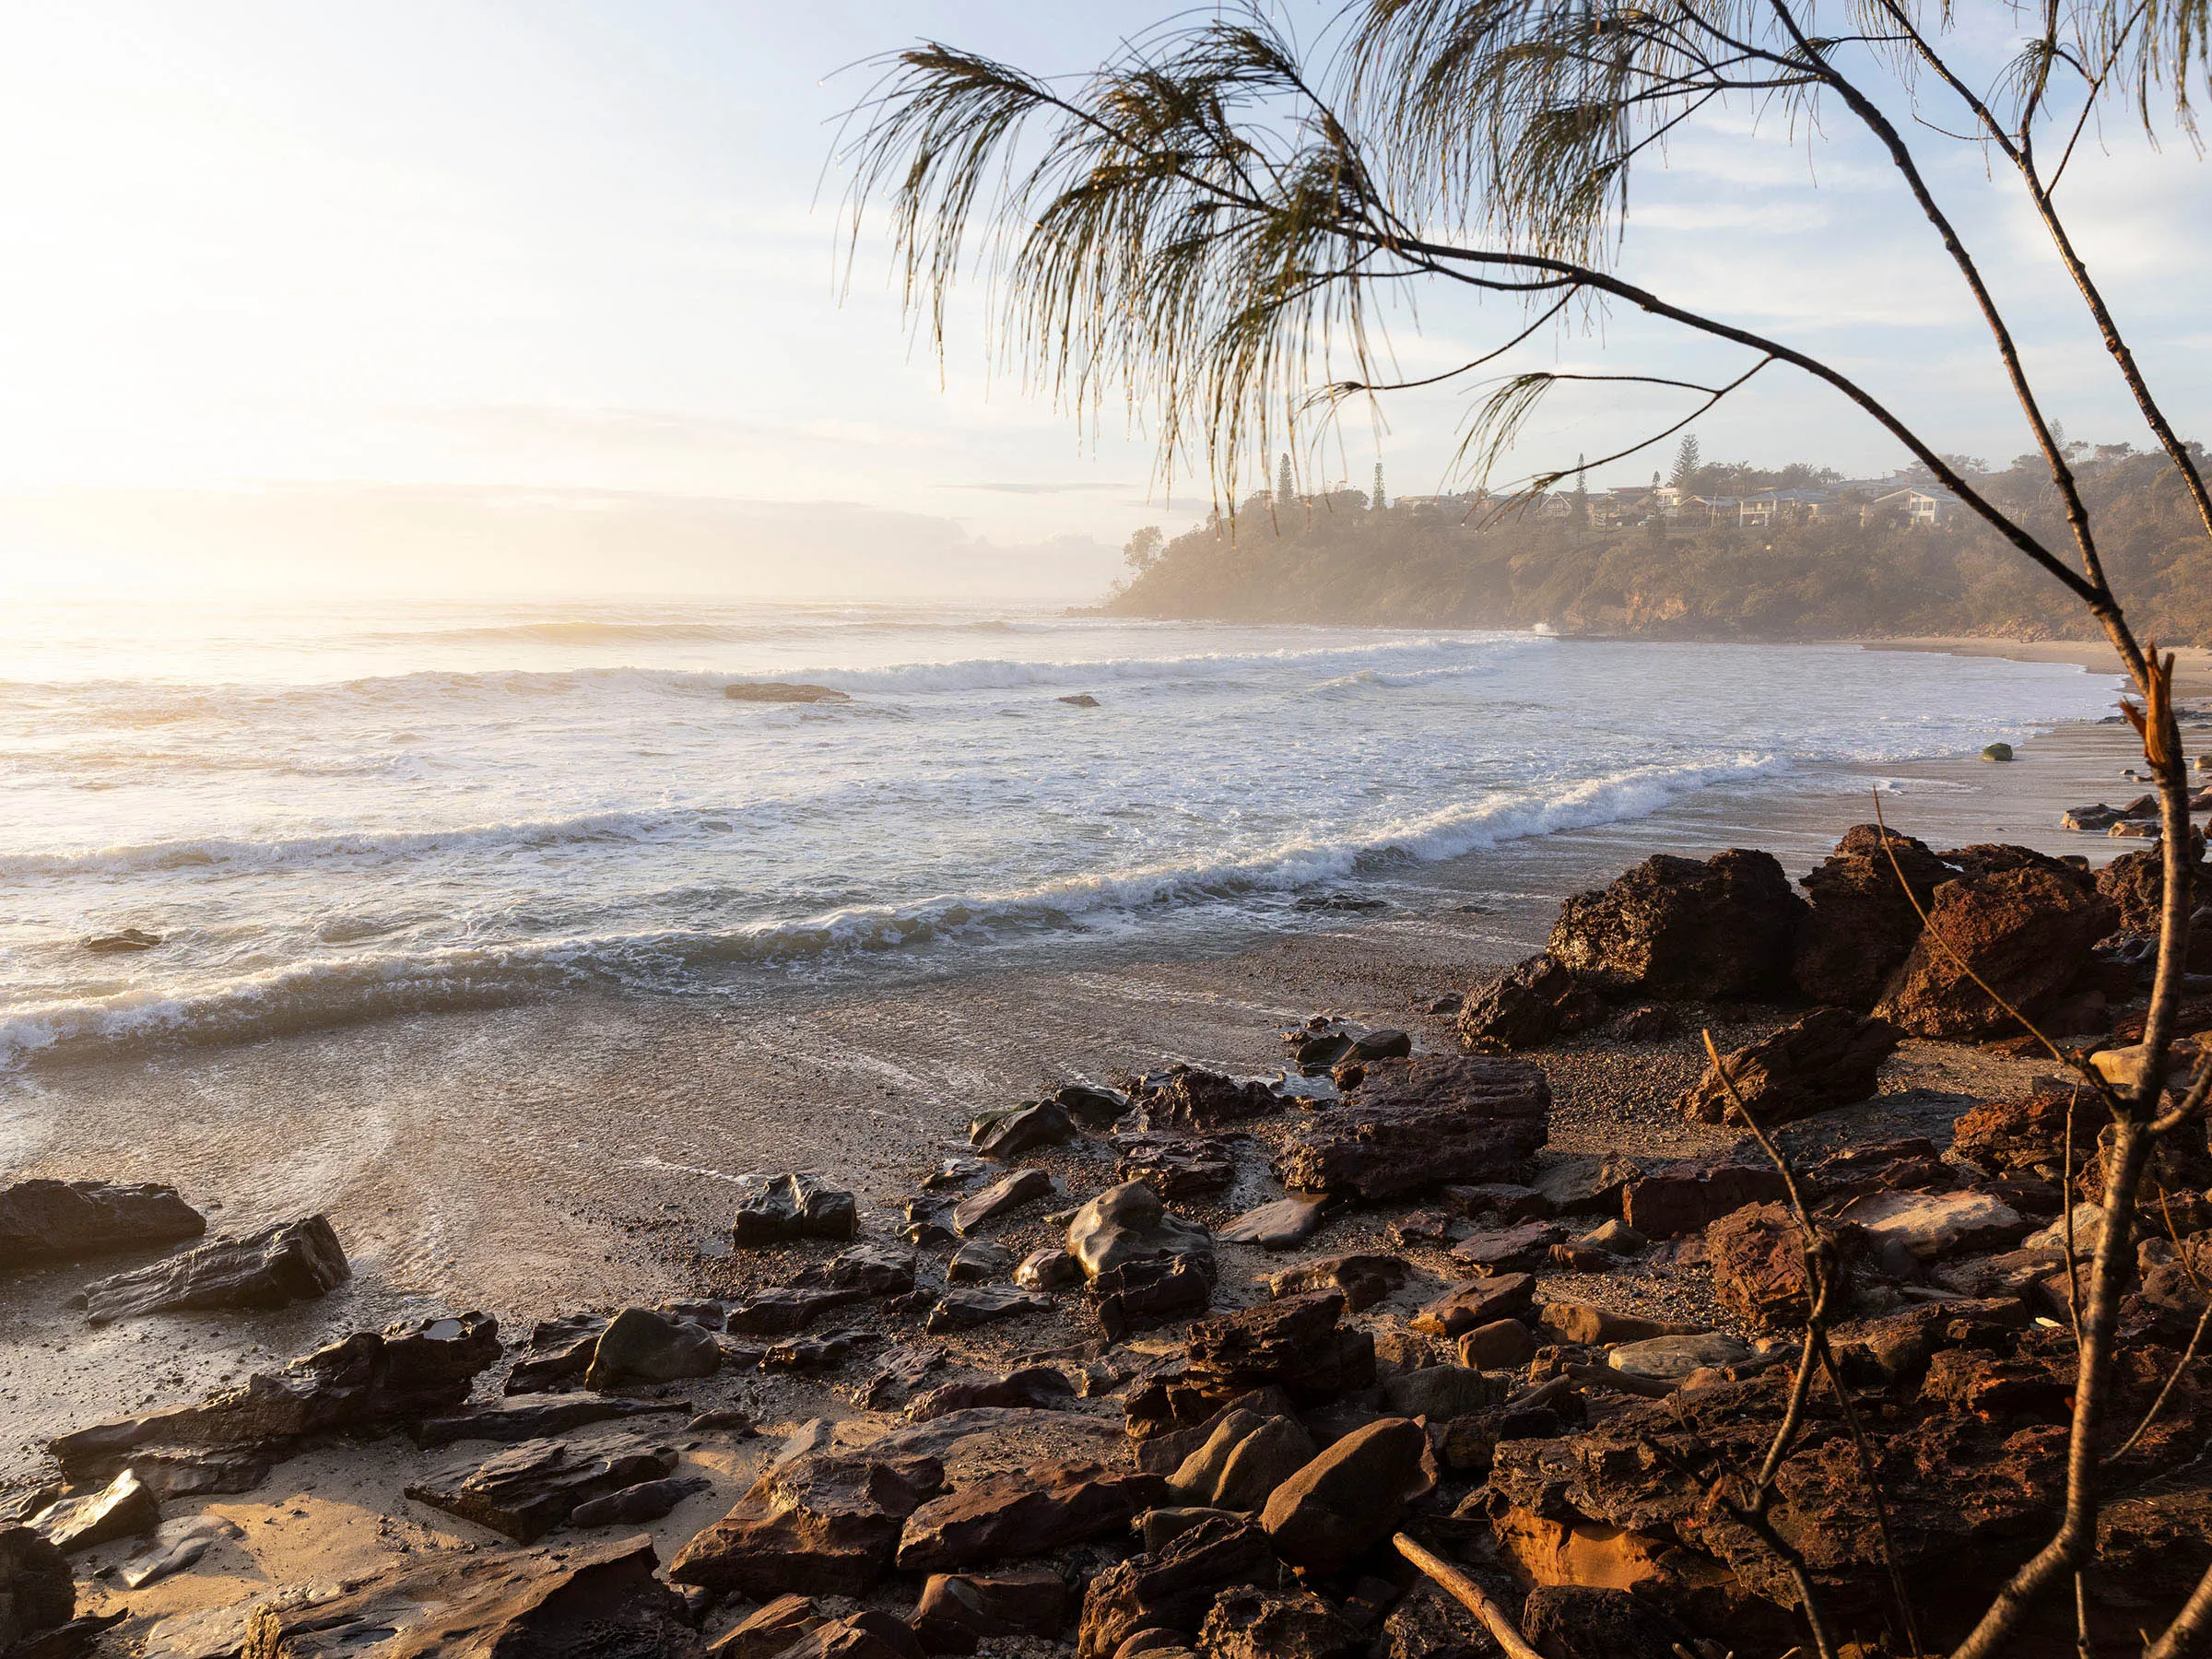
787	1309
1830	1057
791	1207
1363	1281
771	1631
63	1221
293	1261
2026	932
1203	1100
1759	1272
965	1307
1245	1458
1248	1623
1499	1346
2136	885
1577	1622
1174	1589
1006	1135
1032	1388
1508	1249
822	1523
1024	1514
527	1490
959	1609
1678	929
1296	1344
124	1508
868	1634
1420	1123
1526	1007
1348	1497
1001	1198
1477	1302
1686	1197
1863	924
1173	1166
1599	1327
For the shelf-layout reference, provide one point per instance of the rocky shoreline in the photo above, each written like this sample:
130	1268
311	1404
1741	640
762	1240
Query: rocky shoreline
1171	1358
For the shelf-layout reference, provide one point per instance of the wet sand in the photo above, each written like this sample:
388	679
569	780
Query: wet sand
585	1152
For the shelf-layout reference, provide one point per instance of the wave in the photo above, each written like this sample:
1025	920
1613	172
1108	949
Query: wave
345	990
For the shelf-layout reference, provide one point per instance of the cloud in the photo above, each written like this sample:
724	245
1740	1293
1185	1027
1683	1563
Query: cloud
1016	488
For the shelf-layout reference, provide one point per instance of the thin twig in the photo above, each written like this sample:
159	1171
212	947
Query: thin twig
1470	1595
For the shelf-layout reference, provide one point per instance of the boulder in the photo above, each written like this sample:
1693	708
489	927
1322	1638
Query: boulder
2000	1137
1686	1197
1173	1589
364	1381
527	1490
1146	1292
1583	1183
1933	1226
957	1610
1582	1621
1245	1458
868	1634
1759	1274
791	1207
582	1599
978	1262
1000	1199
1418	1124
1283	1225
124	1508
642	1348
1440	1393
1048	1270
1024	1513
1092	1105
1351	1496
1527	1005
2027	932
1174	1166
2136	885
1671	1358
1676	929
635	1505
1297	1344
1006	1135
1361	1280
821	1524
65	1220
1128	1223
1477	1302
770	1632
874	1269
969	1306
175	1546
1248	1623
781	1311
293	1261
1031	1388
558	1351
1508	1249
1201	1102
1830	1057
534	1416
1323	1045
1592	1326
38	1592
1861	924
1427	1624
1501	1345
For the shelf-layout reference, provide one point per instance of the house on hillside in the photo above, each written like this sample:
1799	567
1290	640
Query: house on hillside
1768	507
1919	509
1707	510
1630	506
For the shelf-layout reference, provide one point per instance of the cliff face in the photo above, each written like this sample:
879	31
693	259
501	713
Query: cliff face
1416	567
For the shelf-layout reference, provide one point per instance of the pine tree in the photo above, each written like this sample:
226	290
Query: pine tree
1284	495
1578	506
1688	459
1376	500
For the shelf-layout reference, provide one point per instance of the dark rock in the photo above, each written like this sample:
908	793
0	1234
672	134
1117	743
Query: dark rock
1499	1346
1348	1497
293	1261
868	1634
1000	1199
1128	1223
366	1380
1202	1102
63	1221
978	1262
1025	1513
1421	1226
1645	1022
124	1508
821	1523
533	1416
528	1489
1007	1134
899	1372
1477	1302
1680	930
2136	885
2026	932
1830	1057
974	1305
2002	1136
1032	1388
1427	1624
1363	1281
557	1351
1283	1225
787	1309
1863	924
771	1631
783	691
581	1602
1174	1589
1141	1293
1440	1393
1090	1105
634	1505
1174	1166
1758	1255
1576	1622
1526	1007
123	942
1582	1183
1296	1344
793	1207
642	1348
952	1173
1244	1459
957	1610
1420	1123
1078	699
1498	1201
874	1269
1048	1270
1246	1623
826	1352
1687	1197
37	1590
1508	1249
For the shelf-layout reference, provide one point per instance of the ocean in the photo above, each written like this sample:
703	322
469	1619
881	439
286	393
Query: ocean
334	812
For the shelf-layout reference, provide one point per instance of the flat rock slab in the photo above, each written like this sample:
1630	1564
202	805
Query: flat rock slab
1508	1249
1671	1358
124	1508
1001	1198
788	1309
1024	1514
1933	1225
1283	1225
1420	1123
63	1221
293	1261
476	1606
968	1306
175	1546
535	1416
529	1489
824	1523
1478	1303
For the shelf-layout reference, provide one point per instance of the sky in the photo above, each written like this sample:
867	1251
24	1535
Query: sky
497	292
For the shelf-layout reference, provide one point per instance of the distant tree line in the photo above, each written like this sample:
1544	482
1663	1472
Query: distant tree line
1331	558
